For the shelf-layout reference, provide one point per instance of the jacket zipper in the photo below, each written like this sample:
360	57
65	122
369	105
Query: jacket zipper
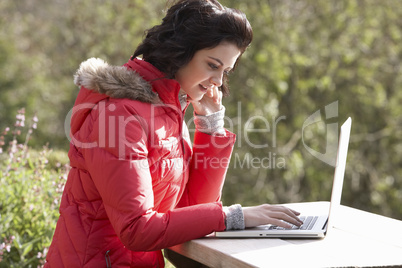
108	261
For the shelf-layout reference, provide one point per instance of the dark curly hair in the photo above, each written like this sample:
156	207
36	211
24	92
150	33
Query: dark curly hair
189	26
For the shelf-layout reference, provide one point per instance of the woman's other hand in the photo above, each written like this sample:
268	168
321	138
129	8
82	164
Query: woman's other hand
210	103
271	214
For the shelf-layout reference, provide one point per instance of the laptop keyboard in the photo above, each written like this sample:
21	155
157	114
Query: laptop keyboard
308	223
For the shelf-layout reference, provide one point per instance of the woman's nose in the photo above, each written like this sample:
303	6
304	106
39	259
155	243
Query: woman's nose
216	80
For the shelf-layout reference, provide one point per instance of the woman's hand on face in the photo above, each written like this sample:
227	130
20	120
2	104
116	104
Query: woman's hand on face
271	214
210	103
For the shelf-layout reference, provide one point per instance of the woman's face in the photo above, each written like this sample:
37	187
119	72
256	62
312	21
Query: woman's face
206	69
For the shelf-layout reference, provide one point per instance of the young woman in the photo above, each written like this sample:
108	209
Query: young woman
137	184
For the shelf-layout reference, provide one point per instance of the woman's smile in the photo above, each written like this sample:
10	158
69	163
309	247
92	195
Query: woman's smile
206	69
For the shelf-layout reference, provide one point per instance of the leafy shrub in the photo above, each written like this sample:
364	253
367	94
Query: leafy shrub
30	193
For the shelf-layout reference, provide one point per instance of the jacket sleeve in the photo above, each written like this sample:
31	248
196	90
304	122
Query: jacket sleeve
208	168
122	177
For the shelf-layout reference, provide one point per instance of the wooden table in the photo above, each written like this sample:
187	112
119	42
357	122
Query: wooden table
358	239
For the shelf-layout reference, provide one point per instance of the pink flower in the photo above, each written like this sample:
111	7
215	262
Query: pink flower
20	117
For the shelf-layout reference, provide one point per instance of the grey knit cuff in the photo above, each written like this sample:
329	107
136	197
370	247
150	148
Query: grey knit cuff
212	123
234	217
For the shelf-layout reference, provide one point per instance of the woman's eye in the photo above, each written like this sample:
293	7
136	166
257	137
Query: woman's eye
213	66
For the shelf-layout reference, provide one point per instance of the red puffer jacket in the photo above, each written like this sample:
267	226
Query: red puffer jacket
136	184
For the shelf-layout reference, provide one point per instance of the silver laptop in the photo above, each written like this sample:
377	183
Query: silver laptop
314	226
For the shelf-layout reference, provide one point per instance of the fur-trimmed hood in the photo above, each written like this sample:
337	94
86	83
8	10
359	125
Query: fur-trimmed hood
115	81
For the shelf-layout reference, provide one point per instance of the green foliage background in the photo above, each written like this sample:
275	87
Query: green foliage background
32	182
305	55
